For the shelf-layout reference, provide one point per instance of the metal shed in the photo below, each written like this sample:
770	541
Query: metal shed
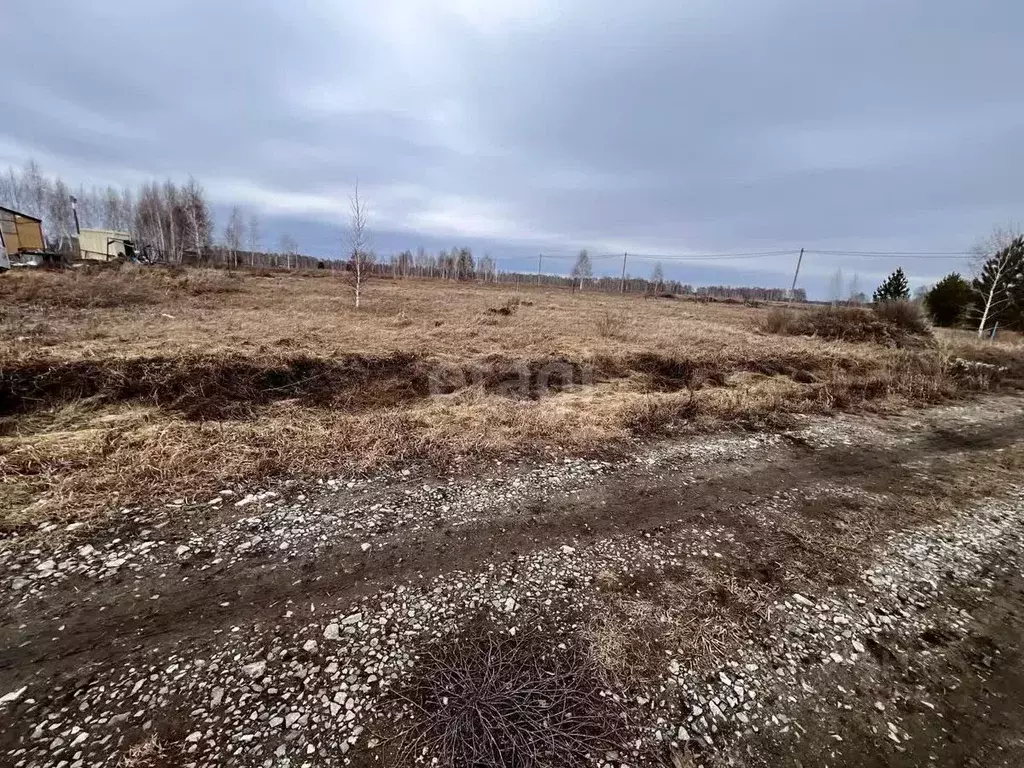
20	231
104	244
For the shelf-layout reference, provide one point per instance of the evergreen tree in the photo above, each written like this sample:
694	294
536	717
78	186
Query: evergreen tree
894	288
949	300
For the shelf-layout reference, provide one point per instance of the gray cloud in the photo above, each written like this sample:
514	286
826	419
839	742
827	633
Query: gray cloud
655	127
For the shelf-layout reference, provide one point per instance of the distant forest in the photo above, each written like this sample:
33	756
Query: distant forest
173	223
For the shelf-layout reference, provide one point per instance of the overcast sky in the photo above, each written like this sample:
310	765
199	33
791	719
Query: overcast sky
517	126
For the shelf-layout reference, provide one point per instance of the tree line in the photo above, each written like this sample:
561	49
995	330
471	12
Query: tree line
171	218
459	264
167	221
992	299
173	222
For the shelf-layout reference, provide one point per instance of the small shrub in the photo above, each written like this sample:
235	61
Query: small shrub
776	320
903	314
891	326
608	325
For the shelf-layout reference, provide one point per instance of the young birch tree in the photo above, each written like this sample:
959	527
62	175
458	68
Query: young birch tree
253	234
658	276
835	288
233	234
854	292
582	269
360	256
198	223
35	190
290	249
999	272
59	213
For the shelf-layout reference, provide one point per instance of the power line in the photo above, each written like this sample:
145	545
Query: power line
697	256
792	252
896	254
731	256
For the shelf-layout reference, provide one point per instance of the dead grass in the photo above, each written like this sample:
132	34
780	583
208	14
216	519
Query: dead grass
493	699
894	324
207	377
148	753
693	614
904	314
108	287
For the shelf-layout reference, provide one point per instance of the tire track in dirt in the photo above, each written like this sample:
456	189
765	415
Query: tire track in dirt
106	624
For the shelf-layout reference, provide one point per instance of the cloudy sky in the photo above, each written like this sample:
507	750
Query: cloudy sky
667	128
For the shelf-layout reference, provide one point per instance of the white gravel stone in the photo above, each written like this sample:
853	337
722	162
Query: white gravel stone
7	698
256	669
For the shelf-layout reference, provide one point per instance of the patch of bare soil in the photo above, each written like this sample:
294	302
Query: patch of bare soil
269	625
802	547
952	697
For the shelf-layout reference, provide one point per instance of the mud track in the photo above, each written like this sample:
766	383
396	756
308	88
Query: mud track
58	635
105	621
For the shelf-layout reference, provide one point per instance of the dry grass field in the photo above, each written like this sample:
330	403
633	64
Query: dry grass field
141	385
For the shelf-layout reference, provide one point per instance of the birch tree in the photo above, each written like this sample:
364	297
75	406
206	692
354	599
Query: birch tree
59	213
150	216
582	269
658	276
290	249
835	286
10	190
198	224
172	219
233	232
128	207
465	267
34	190
487	269
253	238
401	264
999	285
90	207
360	257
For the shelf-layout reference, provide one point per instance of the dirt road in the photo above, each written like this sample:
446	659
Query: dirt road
845	593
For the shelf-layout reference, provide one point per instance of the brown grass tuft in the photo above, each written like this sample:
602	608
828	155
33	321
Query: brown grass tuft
490	699
148	753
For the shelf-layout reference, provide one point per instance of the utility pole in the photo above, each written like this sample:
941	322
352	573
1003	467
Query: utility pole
796	274
540	257
74	210
622	280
